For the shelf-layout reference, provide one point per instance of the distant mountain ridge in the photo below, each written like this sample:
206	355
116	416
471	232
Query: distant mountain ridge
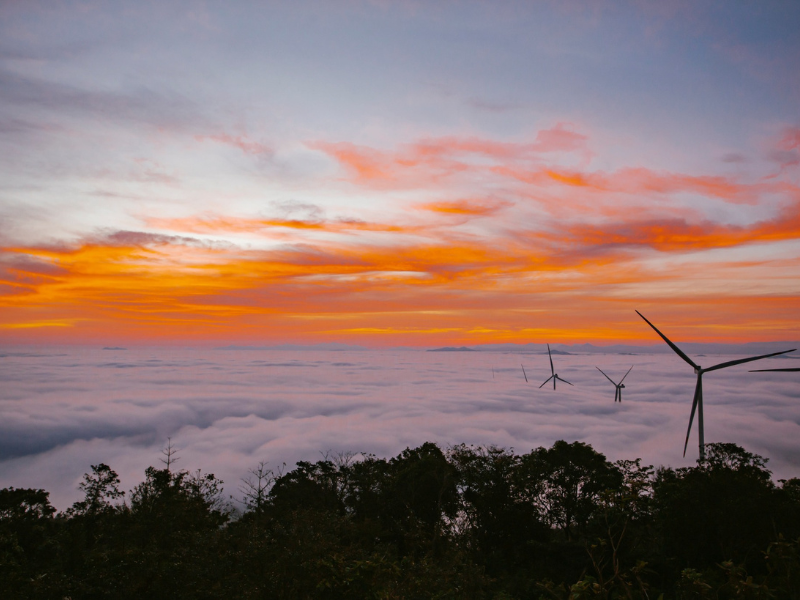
695	348
749	348
452	349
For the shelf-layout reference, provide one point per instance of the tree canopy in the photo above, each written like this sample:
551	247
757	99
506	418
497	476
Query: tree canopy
460	522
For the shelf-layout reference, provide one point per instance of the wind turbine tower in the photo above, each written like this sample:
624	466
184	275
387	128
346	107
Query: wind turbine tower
554	375
619	386
697	403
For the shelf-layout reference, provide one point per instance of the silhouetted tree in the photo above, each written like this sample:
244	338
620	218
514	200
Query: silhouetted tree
422	486
170	455
175	518
571	479
28	547
474	522
100	488
620	534
255	487
314	486
721	509
498	519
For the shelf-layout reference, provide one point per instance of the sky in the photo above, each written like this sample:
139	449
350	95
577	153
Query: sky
398	173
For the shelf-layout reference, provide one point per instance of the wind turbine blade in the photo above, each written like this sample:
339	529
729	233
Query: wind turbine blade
546	380
523	373
626	374
620	395
677	350
607	377
564	380
552	370
784	370
730	363
694	408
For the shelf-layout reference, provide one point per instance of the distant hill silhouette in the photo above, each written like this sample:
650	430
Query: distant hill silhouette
452	349
750	348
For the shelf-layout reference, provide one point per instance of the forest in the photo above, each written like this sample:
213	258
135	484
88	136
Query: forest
460	522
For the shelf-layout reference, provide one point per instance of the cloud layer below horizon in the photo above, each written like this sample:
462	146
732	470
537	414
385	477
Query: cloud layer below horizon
65	409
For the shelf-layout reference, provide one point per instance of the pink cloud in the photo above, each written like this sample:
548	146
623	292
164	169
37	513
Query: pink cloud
434	159
237	141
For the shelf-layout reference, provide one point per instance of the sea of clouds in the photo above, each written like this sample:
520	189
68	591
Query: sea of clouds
64	409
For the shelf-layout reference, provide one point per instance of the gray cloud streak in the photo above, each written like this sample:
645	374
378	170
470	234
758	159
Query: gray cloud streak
140	105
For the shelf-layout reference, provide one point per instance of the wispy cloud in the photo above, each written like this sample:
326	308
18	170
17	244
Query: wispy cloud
140	105
433	160
242	142
786	151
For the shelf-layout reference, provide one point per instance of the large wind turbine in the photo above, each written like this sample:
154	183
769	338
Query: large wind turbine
619	386
554	376
697	403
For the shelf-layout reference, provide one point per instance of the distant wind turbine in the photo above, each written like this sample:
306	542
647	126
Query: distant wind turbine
697	403
554	376
619	386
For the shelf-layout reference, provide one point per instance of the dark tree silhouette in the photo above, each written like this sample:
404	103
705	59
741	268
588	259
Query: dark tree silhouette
571	479
725	508
100	488
472	522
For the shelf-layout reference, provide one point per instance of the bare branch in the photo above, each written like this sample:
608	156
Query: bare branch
169	454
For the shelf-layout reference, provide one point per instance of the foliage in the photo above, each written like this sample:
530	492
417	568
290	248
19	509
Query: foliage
571	479
100	488
469	522
27	544
726	508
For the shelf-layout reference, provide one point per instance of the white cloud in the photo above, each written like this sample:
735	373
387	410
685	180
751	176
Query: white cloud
226	410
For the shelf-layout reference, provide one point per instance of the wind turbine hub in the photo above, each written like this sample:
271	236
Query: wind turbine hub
698	370
621	385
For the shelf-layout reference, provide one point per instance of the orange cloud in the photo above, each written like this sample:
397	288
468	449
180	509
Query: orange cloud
444	162
670	235
436	158
523	243
466	207
644	181
217	224
161	285
164	288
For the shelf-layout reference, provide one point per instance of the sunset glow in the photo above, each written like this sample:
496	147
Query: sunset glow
260	199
